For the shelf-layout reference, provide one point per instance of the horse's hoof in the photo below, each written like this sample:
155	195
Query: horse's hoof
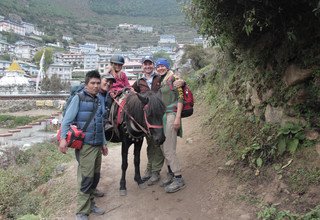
143	185
123	192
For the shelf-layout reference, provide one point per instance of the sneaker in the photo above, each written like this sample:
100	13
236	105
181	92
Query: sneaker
176	185
155	177
98	193
167	180
81	216
147	175
96	210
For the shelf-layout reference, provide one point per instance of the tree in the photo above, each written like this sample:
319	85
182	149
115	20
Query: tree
48	57
49	39
197	55
45	84
272	31
5	56
11	37
162	54
56	85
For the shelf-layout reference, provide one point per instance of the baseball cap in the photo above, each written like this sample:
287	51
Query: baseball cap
108	76
147	58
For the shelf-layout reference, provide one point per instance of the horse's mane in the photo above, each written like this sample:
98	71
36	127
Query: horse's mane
134	106
156	106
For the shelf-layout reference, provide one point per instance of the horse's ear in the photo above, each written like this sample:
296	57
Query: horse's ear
143	99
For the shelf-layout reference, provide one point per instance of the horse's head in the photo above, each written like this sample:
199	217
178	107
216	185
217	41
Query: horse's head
153	111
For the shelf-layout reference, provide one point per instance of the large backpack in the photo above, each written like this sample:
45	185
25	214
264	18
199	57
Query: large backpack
188	100
73	91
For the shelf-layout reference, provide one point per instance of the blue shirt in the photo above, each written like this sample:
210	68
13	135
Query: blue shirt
149	81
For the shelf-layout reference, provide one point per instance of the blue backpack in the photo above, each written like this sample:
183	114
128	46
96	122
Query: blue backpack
73	91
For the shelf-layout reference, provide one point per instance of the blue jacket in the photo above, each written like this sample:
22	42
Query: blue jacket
78	112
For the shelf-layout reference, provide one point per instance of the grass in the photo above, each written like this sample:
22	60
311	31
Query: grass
272	213
23	174
9	121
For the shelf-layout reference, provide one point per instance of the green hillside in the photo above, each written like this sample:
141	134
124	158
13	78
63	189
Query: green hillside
96	20
136	8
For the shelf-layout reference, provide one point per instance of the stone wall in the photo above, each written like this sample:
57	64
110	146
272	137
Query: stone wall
25	105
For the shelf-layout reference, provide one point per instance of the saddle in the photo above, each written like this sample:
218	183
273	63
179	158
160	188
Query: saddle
116	117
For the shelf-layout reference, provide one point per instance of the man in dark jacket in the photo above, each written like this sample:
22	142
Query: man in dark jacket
90	155
150	81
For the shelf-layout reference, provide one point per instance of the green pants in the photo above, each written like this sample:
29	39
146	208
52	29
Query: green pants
89	166
155	156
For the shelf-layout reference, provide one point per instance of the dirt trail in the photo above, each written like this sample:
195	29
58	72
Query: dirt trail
209	194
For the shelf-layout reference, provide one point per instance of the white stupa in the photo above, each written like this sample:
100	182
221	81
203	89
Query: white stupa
14	76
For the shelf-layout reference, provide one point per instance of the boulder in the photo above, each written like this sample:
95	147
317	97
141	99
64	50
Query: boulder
294	75
273	115
255	99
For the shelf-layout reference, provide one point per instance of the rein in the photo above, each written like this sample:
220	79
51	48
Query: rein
145	118
147	132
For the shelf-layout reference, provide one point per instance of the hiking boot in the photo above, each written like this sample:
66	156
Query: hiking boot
98	193
81	216
155	177
167	180
176	185
147	175
96	210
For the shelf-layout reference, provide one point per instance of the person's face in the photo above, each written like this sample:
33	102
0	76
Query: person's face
117	67
106	84
161	69
93	86
147	67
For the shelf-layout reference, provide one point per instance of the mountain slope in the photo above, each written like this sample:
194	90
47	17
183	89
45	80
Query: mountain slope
96	20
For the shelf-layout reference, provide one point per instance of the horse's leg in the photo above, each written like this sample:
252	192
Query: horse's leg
137	175
124	154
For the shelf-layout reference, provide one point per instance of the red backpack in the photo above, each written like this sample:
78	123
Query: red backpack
188	100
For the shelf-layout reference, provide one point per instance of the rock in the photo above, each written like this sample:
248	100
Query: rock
257	112
230	163
241	188
294	75
255	99
245	217
189	141
269	198
293	120
273	115
312	135
60	169
249	91
299	98
267	95
26	146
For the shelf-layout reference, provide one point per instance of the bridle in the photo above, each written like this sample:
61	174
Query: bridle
145	108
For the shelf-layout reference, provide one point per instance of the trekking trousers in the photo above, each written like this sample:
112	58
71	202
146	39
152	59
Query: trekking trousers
170	145
89	165
155	156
